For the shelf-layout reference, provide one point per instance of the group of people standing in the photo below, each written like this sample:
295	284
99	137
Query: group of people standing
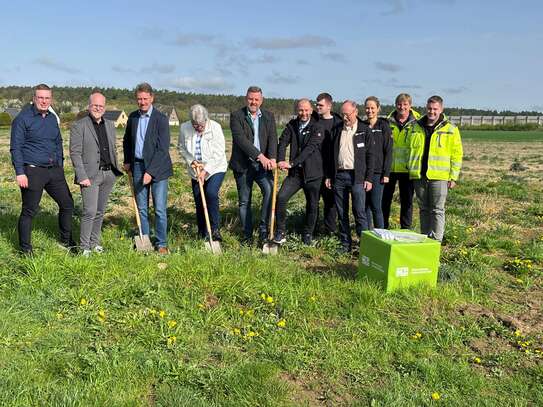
339	157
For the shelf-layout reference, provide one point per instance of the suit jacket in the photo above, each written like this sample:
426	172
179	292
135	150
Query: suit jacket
156	147
85	148
363	153
305	147
243	150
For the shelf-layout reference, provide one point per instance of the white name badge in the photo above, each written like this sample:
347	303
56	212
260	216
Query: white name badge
359	145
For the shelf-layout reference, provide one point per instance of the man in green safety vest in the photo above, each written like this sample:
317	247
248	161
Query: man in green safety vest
435	159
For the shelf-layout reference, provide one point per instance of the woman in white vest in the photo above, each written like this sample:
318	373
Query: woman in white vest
201	144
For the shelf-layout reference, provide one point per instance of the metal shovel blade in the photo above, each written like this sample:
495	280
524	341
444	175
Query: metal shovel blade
270	248
143	243
213	246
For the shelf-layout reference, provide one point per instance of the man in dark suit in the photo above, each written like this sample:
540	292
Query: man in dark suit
254	151
305	137
351	171
93	153
146	146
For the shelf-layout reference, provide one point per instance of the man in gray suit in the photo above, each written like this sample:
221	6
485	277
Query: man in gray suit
94	157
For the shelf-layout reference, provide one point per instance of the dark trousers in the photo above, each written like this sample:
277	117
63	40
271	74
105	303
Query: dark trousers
291	185
329	210
244	184
374	211
407	191
211	191
344	188
54	183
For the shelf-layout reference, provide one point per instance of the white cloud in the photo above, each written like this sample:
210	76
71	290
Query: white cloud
212	83
304	41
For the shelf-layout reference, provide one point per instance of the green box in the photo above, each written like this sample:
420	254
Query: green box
397	264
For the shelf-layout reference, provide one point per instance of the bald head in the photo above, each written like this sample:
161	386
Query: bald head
349	111
304	109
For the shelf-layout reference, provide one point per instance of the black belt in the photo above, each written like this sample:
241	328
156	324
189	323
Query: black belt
41	166
341	170
105	167
138	160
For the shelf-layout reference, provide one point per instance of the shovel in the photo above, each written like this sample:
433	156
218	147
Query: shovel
213	246
142	242
270	247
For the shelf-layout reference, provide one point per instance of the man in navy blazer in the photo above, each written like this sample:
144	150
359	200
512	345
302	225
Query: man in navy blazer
254	153
146	146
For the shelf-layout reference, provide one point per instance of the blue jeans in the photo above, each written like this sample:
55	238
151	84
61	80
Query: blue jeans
211	191
344	187
159	192
374	198
244	184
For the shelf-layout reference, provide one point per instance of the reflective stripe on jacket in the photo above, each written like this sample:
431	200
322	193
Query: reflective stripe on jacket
400	146
444	156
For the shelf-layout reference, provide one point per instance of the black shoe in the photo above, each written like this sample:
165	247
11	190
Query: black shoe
263	236
279	237
344	249
307	239
216	236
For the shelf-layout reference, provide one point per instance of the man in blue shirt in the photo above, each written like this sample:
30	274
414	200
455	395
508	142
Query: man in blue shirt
254	153
146	146
37	156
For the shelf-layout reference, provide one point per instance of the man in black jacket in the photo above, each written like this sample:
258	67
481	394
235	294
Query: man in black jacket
304	169
146	145
254	150
327	120
351	171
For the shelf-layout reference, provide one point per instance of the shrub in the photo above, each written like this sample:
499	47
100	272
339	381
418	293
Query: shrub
5	119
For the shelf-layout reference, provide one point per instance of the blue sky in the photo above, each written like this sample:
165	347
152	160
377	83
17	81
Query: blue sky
483	54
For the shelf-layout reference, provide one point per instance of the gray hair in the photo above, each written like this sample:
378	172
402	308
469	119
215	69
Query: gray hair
353	104
198	114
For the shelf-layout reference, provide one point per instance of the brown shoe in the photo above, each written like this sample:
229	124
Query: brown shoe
163	250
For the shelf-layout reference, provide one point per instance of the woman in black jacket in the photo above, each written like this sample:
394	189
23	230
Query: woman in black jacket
381	144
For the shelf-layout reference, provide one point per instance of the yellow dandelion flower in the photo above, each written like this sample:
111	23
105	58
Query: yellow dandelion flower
249	312
236	331
60	315
477	360
172	323
313	298
201	306
83	301
416	335
269	299
518	333
241	312
102	315
436	396
263	296
281	323
172	339
162	313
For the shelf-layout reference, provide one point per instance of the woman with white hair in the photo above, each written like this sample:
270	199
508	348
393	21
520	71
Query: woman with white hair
201	144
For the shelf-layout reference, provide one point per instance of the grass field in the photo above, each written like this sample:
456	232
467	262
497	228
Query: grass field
242	329
513	136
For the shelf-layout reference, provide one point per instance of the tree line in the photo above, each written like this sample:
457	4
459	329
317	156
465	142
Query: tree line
68	99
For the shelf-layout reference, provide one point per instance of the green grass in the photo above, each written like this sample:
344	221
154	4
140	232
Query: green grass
243	329
490	135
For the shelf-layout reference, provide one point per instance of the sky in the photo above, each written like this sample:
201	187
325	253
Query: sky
475	54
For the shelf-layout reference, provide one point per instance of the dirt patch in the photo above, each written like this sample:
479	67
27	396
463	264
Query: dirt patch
303	394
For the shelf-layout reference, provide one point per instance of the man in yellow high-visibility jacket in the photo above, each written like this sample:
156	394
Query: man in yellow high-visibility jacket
435	159
400	120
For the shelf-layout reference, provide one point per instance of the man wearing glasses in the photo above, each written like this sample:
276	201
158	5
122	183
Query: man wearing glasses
94	157
351	171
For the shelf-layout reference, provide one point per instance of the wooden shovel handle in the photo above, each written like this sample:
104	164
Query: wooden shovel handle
135	203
